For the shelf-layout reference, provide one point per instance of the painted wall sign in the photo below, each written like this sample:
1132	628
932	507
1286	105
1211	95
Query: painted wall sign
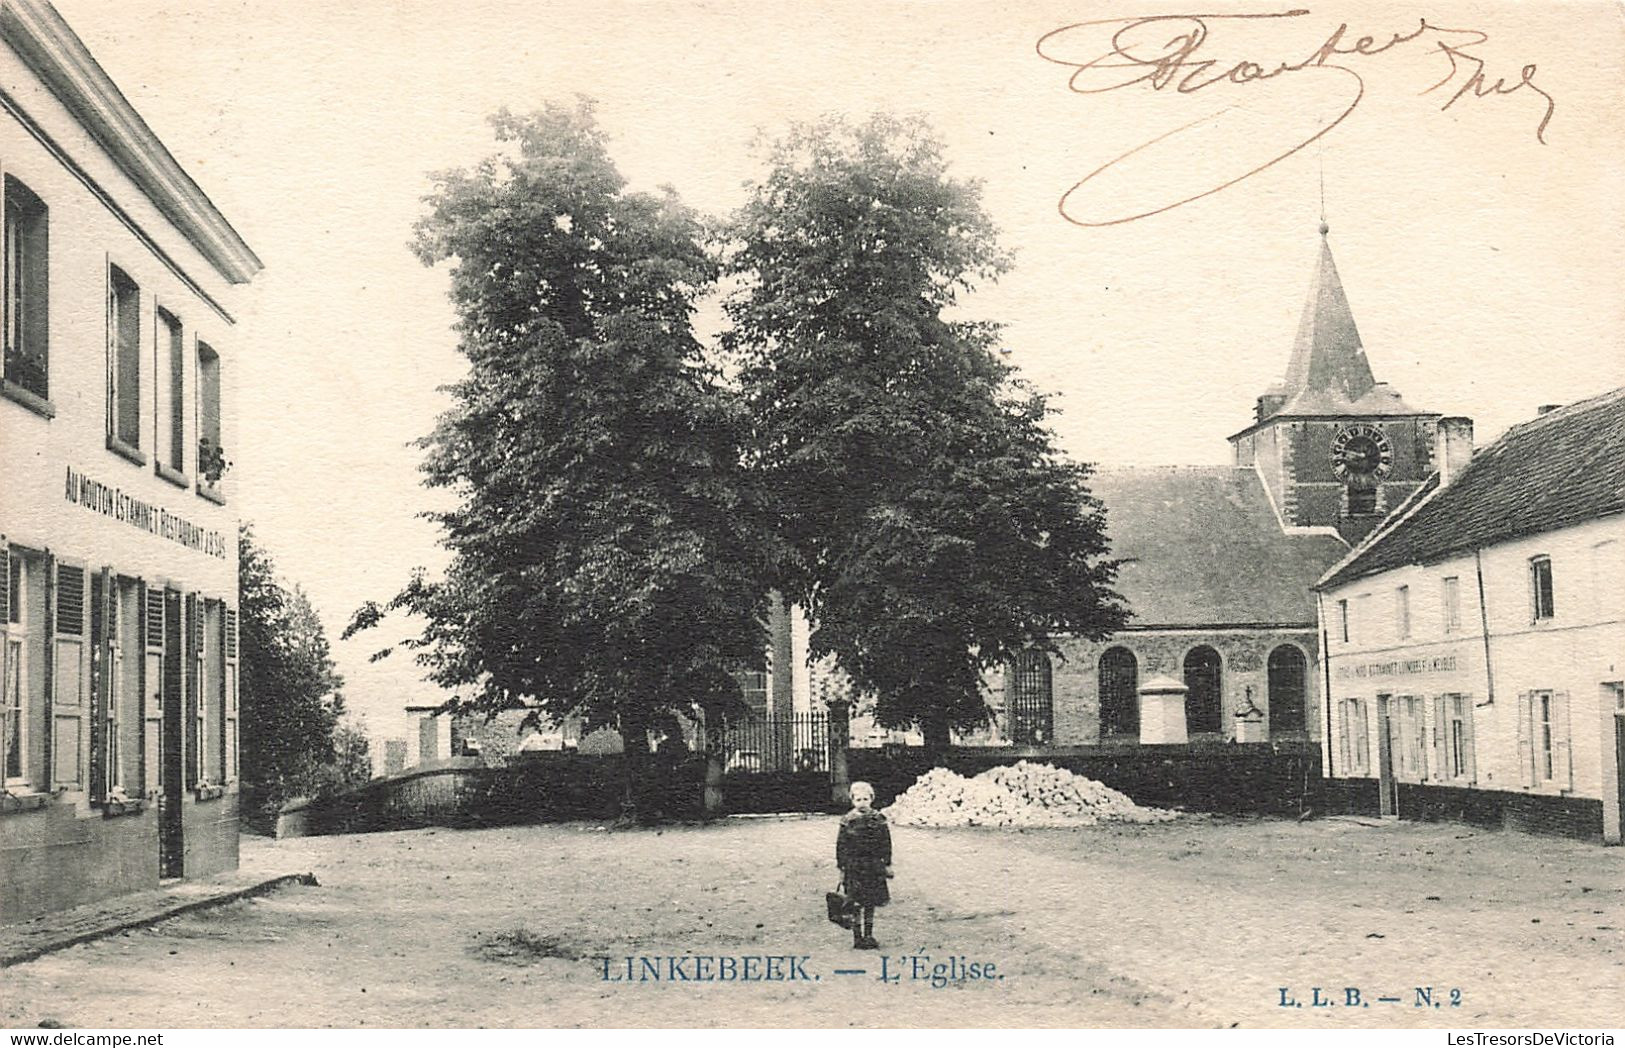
1400	667
138	513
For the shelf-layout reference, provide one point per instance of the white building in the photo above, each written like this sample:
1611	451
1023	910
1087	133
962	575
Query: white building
1476	641
118	546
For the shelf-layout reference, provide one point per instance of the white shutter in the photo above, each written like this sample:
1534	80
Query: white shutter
1343	748
1562	762
1469	759
1526	743
1441	738
69	609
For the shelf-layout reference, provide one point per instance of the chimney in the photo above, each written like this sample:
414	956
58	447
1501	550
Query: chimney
1453	447
1273	400
1547	409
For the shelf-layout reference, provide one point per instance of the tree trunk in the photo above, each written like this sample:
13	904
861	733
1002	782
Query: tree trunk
934	726
635	746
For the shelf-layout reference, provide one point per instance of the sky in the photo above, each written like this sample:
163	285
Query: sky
1481	252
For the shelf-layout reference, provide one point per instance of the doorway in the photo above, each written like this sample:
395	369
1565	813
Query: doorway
1387	784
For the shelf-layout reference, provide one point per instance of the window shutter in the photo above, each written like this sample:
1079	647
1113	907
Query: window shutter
67	615
1419	732
230	698
152	684
5	584
1441	738
191	687
1526	743
1343	736
1469	760
1362	724
1562	762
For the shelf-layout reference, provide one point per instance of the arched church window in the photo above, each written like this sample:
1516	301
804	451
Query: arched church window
1119	693
1032	713
1203	705
1288	672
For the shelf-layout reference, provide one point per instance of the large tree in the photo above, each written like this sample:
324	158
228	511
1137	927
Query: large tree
291	700
933	527
605	542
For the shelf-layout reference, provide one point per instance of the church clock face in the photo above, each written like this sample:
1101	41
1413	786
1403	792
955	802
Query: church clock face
1361	452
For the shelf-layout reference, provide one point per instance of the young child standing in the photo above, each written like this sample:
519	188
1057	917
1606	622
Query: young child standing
863	852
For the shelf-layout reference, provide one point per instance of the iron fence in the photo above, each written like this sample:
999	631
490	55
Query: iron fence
760	743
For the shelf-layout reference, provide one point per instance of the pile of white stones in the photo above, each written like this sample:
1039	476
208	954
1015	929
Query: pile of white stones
1021	794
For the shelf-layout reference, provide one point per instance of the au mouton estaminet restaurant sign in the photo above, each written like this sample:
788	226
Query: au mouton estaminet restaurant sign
1402	667
138	513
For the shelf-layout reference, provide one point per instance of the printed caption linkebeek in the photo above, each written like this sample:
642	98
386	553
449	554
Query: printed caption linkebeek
751	968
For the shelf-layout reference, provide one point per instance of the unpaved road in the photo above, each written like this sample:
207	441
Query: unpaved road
1200	922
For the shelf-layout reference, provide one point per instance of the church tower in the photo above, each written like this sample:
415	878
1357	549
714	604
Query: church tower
1335	447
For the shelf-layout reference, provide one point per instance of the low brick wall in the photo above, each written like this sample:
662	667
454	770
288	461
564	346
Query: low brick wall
1556	816
1263	778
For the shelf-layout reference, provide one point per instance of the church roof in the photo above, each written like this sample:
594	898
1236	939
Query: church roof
1203	546
1559	469
1328	373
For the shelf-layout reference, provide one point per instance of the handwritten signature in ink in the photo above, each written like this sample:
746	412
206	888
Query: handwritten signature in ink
1166	53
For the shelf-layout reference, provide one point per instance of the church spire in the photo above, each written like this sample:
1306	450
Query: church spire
1327	357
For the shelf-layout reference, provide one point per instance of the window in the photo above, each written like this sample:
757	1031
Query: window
1540	588
1203	702
1362	501
1119	693
1288	673
753	688
1543	738
27	286
112	777
1402	612
1543	734
211	456
14	673
124	361
1031	700
171	442
1452	604
1453	736
1343	619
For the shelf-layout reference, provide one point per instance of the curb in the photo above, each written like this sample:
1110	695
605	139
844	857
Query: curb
179	906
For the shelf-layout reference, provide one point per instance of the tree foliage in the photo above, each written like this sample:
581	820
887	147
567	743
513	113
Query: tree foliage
290	693
931	527
606	542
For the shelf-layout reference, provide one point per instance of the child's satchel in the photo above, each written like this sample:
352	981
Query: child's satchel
839	907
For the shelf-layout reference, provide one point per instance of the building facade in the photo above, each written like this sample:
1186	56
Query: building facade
1477	640
1218	562
118	548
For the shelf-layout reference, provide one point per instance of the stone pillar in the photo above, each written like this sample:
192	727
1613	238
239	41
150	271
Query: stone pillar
840	737
1162	711
781	693
713	783
1250	721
